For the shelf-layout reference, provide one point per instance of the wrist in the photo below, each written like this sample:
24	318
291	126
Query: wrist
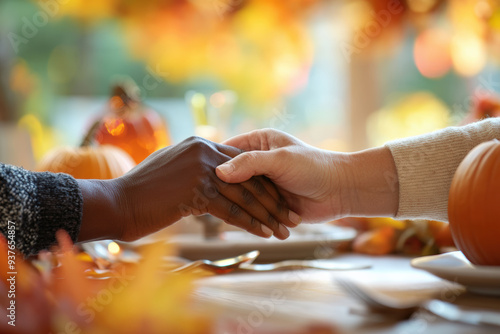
371	183
343	187
102	217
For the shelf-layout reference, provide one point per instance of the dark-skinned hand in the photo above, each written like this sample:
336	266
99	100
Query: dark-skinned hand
175	182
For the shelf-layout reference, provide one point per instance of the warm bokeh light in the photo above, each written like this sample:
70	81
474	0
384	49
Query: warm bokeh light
483	9
199	108
114	248
357	13
331	144
88	11
208	132
412	115
218	100
432	53
114	126
198	100
267	52
238	43
468	53
463	15
421	6
43	138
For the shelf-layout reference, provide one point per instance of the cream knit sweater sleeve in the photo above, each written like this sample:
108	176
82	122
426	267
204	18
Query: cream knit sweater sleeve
426	165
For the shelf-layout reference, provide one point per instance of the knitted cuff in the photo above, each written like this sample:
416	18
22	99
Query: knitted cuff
426	165
60	206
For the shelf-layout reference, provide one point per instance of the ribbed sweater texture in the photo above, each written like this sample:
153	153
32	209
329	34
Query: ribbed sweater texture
426	165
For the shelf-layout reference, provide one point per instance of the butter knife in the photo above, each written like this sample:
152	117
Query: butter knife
302	264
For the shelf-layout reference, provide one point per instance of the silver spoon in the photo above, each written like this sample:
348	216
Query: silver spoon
220	266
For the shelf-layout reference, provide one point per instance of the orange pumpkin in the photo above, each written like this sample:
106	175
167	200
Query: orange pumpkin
484	107
443	237
131	126
474	205
379	241
103	162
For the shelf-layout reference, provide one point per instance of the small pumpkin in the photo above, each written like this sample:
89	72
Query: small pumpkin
131	126
474	205
443	237
103	162
379	241
86	161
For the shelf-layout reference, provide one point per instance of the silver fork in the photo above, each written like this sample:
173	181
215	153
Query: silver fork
377	305
387	306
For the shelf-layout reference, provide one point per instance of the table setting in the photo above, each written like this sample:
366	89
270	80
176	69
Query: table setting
249	167
344	293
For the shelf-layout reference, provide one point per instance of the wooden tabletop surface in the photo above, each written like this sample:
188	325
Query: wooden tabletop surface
292	298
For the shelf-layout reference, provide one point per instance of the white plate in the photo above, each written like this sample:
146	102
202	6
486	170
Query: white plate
305	242
455	267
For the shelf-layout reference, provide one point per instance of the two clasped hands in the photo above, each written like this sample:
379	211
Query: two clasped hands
265	182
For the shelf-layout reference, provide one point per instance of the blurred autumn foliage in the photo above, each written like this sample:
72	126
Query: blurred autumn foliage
262	50
69	292
262	47
259	48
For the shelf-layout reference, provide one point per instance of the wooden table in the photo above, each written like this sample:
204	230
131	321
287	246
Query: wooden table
299	297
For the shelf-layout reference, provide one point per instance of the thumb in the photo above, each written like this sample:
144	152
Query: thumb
248	164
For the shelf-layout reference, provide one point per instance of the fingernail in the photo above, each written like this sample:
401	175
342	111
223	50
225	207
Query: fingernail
284	231
267	231
226	168
294	218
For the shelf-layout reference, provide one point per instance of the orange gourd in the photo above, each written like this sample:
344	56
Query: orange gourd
131	126
87	161
379	241
102	162
474	204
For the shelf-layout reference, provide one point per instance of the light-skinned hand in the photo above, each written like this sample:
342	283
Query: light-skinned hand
317	184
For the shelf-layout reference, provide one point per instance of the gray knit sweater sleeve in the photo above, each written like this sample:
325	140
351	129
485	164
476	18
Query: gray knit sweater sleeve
426	165
38	205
